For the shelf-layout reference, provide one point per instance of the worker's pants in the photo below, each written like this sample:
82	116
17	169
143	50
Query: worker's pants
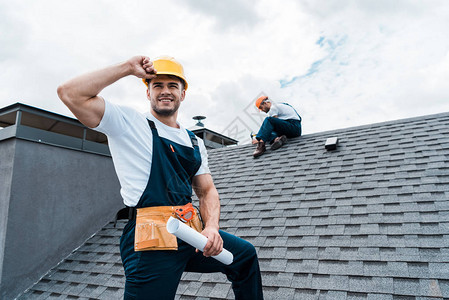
156	274
274	127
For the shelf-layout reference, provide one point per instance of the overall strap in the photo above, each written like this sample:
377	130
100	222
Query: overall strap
193	138
293	109
151	123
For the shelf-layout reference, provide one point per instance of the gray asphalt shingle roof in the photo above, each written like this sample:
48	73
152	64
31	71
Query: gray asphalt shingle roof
369	220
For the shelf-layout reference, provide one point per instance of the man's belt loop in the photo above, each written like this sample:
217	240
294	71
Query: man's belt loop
125	213
132	212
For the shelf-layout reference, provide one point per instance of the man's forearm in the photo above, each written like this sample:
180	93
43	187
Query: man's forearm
209	200
89	85
210	209
80	94
210	212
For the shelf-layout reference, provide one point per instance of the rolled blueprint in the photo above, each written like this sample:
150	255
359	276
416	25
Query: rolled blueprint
195	239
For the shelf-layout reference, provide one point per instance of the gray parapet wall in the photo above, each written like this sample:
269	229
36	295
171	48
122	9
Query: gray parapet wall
52	198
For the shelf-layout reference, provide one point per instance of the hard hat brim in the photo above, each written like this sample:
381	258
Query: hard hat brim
145	81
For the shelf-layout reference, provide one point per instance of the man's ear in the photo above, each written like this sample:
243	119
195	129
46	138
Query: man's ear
148	93
183	95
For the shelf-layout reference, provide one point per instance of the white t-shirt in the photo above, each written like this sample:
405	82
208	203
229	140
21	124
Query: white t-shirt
282	111
131	144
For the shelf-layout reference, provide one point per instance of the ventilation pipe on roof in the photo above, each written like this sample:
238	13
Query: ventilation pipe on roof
198	119
331	143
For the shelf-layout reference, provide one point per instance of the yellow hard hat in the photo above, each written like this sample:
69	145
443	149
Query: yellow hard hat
167	65
260	100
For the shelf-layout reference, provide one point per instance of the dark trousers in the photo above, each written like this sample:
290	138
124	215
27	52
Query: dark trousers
274	127
156	274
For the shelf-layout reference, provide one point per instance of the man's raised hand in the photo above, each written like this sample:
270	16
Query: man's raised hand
142	67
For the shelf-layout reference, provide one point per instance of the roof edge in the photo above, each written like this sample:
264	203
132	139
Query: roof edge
358	127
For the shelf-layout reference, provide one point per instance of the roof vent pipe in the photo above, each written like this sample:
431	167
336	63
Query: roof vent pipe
199	118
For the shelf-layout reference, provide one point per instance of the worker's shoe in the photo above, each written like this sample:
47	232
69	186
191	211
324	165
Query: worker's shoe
279	142
260	149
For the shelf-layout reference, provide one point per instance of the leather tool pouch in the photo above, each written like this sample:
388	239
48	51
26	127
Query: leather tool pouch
151	232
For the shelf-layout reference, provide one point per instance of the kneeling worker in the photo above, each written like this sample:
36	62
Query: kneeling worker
158	162
282	122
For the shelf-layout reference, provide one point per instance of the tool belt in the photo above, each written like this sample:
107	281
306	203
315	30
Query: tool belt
151	232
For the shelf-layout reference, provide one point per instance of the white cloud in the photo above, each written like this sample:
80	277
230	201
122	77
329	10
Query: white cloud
375	73
225	14
341	63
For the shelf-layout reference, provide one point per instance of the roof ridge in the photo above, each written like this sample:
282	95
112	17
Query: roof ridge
347	129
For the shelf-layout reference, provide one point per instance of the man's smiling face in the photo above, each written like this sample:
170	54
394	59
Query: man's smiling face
165	92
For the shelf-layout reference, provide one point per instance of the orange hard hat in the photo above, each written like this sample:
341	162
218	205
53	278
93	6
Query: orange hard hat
167	65
260	100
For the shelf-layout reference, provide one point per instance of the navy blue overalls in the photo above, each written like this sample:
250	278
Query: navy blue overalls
156	274
273	127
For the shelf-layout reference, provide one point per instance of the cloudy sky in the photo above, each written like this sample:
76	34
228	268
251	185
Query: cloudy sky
341	63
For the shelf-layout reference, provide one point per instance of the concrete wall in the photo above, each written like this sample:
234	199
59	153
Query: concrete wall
59	197
6	165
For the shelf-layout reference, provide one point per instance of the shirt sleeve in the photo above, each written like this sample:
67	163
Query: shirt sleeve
114	121
204	168
274	110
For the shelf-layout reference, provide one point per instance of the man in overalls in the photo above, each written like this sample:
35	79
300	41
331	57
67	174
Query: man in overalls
283	122
158	162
